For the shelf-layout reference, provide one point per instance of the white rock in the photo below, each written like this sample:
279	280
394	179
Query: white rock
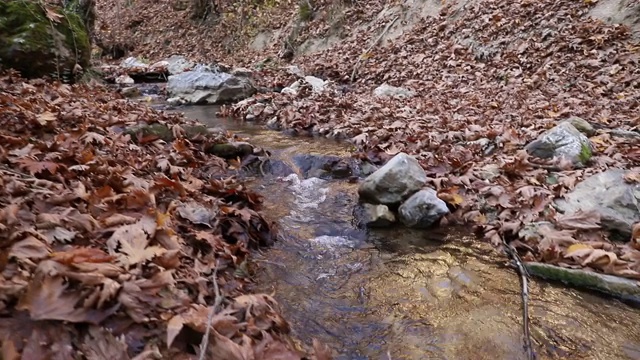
124	79
385	90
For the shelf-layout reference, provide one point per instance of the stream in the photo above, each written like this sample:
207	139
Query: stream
403	294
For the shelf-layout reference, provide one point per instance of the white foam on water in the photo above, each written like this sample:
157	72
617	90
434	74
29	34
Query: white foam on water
332	242
309	194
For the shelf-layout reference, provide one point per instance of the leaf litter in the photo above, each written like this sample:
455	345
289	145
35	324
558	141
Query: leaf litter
489	78
101	257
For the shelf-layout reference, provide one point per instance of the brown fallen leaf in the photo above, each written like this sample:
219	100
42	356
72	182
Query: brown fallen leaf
100	344
49	298
580	220
223	348
29	248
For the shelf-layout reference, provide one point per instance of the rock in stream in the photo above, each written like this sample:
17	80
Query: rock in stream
204	86
422	209
398	179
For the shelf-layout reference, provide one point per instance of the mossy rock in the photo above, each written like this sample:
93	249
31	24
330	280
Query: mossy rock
36	46
231	150
165	133
615	286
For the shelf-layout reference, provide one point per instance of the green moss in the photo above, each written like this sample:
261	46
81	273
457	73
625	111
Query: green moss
37	46
585	154
305	12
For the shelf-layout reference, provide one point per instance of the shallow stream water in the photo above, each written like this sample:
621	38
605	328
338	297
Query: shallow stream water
401	294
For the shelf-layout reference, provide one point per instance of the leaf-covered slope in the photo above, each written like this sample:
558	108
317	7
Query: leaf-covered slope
115	243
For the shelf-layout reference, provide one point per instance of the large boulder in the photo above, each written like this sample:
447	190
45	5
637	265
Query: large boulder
422	209
562	141
398	179
607	193
39	42
203	86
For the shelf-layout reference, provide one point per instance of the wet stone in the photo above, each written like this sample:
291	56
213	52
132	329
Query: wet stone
369	215
231	150
331	166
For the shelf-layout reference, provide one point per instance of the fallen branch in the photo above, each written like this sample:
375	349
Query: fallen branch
214	309
355	68
625	289
524	275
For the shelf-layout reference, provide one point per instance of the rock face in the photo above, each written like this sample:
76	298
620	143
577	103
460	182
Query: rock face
385	90
564	141
398	179
370	215
422	209
617	201
208	87
36	46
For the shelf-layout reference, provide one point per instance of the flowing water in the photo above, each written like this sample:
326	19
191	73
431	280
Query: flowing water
401	294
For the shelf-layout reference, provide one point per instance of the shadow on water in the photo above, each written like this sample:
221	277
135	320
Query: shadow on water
409	294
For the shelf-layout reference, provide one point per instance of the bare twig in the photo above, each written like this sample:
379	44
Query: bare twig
355	68
214	309
524	275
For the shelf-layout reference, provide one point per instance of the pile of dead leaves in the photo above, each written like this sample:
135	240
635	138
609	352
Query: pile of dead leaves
117	244
488	78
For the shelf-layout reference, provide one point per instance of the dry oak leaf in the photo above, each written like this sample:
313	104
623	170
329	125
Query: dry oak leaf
223	348
46	117
196	318
140	297
81	255
29	248
100	344
197	213
132	242
35	167
580	220
49	298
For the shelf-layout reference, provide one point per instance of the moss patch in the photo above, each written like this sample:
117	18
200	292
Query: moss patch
37	46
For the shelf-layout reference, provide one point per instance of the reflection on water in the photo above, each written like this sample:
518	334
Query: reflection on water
412	294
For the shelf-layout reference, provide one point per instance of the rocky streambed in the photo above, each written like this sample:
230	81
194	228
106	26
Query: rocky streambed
402	292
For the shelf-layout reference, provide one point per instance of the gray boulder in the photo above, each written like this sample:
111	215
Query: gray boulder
208	87
398	179
376	216
615	200
562	141
422	209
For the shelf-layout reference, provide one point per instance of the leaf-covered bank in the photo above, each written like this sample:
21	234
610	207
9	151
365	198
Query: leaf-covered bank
119	243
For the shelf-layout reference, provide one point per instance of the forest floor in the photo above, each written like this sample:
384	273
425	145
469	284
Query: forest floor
138	232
